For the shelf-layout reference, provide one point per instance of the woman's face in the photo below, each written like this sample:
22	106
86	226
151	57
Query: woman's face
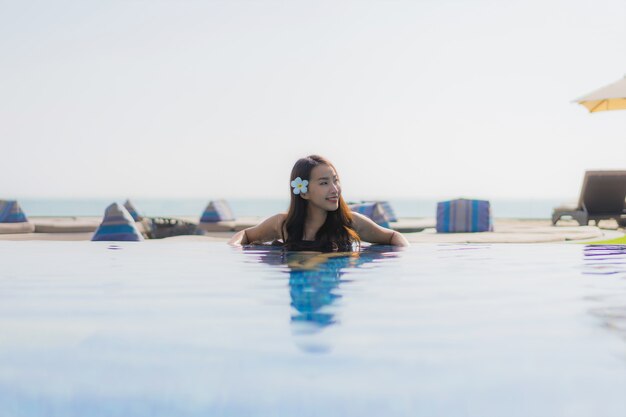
324	188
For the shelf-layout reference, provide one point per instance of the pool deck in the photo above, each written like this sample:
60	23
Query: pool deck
416	230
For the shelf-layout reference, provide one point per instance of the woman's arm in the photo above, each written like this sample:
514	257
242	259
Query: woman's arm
373	233
269	229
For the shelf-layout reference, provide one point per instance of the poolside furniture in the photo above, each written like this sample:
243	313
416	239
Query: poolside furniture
65	225
217	217
132	210
386	216
162	227
464	216
217	211
374	210
389	212
13	219
601	197
117	225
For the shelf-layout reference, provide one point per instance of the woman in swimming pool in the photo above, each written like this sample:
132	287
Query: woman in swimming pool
318	218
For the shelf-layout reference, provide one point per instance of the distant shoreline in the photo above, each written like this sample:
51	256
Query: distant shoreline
193	207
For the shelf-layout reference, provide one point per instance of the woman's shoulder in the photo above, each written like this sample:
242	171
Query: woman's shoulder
277	220
268	229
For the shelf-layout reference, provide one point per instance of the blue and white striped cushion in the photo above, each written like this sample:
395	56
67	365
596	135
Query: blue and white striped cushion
11	212
389	213
463	216
373	210
217	211
132	210
117	225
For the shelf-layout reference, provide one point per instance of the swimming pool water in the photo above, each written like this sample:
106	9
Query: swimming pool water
202	329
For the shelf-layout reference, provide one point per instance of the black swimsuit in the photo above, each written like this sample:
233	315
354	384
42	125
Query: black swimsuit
318	246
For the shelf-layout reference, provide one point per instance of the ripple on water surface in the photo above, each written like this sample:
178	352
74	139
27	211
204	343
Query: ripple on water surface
191	329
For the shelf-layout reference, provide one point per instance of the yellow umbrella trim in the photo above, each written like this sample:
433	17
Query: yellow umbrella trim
607	104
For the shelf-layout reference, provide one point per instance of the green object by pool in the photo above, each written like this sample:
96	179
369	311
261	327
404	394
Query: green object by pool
616	241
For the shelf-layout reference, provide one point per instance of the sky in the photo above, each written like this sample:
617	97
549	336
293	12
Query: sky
218	99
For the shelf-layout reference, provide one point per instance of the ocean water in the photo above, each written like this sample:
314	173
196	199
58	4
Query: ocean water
531	209
202	329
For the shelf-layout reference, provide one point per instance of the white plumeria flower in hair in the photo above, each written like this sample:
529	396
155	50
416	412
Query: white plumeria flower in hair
299	185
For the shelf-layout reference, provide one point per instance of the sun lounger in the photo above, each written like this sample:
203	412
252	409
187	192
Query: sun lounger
162	227
65	225
601	197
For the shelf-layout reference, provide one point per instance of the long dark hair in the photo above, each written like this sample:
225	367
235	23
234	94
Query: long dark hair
337	232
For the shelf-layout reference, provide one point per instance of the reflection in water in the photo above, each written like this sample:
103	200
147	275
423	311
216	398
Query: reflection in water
315	278
608	260
312	286
605	259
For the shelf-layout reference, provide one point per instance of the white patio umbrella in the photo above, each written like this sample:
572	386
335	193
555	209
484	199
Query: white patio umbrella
611	97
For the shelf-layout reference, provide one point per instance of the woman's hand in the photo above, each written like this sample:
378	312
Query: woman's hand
239	239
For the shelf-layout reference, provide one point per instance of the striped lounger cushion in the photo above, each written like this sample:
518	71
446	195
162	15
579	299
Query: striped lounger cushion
132	210
217	211
373	210
389	213
11	212
12	218
463	216
117	225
